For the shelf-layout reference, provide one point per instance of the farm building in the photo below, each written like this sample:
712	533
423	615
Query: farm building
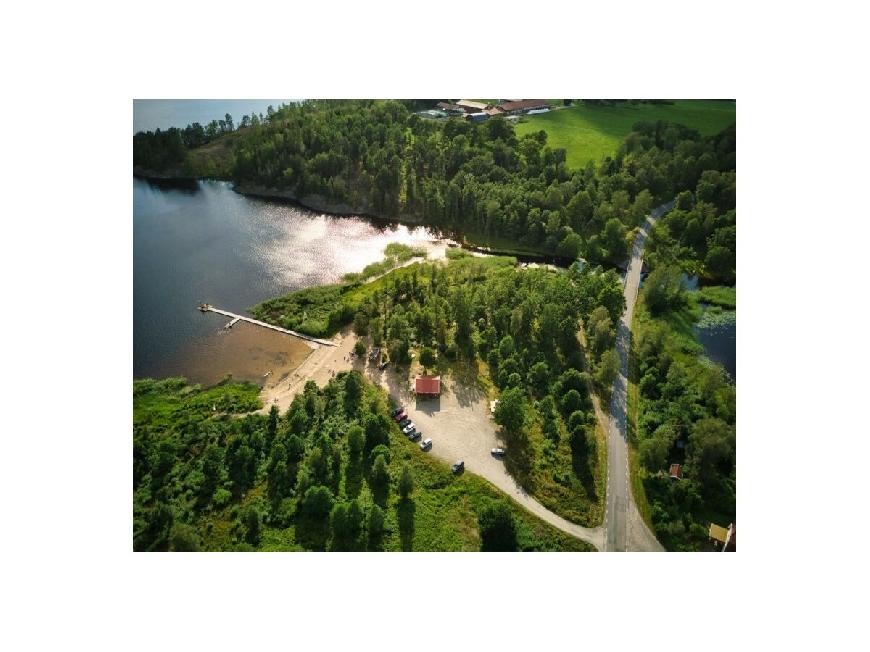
472	107
523	106
450	108
427	386
433	113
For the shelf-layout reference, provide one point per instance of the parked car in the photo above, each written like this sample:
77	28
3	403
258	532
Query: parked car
498	452
401	416
426	444
397	411
415	435
404	422
383	365
459	467
407	429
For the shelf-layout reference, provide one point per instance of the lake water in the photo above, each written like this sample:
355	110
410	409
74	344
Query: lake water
719	338
200	242
152	114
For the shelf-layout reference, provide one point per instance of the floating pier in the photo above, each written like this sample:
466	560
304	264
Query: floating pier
207	307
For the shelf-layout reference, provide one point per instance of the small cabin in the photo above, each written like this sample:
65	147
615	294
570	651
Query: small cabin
427	386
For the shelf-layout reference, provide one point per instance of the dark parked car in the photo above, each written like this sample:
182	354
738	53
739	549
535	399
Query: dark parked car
401	416
383	365
397	411
459	467
415	435
404	422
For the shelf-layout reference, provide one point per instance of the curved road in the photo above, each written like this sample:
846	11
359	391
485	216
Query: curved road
624	527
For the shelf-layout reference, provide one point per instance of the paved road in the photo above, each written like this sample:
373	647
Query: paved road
623	525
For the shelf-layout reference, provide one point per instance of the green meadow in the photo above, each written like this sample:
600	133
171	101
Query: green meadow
589	133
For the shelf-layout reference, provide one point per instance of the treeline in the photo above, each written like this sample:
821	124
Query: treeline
477	177
687	416
332	473
166	150
380	158
700	233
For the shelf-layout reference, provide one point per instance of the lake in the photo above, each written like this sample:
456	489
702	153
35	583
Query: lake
200	241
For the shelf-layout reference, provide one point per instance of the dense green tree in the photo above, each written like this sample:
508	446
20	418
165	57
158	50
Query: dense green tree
353	389
380	475
608	368
406	482
427	357
355	441
184	538
252	520
498	531
664	290
510	413
317	502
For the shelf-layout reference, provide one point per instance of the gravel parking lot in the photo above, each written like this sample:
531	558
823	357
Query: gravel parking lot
460	426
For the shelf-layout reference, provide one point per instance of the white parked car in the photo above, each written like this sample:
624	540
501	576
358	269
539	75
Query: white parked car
498	452
426	444
407	429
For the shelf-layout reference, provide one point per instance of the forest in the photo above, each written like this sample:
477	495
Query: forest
382	159
519	330
332	473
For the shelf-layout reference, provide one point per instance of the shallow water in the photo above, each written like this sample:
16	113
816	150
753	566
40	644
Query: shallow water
718	336
201	242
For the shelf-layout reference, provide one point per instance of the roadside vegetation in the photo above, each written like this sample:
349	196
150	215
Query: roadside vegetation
592	130
484	179
683	411
333	473
700	233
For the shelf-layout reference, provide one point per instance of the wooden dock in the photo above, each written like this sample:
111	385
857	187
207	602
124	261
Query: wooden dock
206	307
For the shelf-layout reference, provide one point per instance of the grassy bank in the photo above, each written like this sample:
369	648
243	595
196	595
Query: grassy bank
589	133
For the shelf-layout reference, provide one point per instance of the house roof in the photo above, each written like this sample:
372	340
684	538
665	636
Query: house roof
718	532
472	105
522	104
676	471
449	107
427	385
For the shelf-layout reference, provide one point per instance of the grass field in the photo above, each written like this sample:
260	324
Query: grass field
589	133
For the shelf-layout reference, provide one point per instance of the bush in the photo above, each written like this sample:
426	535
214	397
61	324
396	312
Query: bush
317	502
380	476
498	531
406	482
375	521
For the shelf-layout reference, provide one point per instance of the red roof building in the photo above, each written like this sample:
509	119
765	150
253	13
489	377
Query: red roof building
521	106
427	385
676	472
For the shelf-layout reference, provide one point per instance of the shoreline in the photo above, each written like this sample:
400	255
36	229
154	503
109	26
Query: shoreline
322	205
